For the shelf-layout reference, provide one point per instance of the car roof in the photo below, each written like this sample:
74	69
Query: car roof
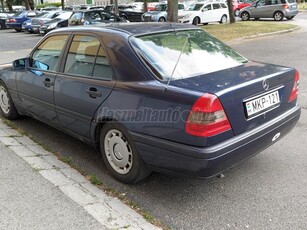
133	28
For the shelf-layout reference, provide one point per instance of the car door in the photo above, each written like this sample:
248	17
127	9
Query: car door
35	84
86	81
217	12
258	9
206	13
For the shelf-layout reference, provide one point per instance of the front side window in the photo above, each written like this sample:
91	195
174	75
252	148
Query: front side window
208	7
195	7
188	54
49	52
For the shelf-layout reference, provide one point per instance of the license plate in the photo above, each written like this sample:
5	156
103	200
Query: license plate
262	103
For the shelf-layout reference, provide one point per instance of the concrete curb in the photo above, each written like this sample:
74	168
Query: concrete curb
272	33
110	212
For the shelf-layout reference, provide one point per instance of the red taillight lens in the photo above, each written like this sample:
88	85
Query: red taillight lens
207	117
11	20
295	88
285	6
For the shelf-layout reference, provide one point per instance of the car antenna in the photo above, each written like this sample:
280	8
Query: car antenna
175	67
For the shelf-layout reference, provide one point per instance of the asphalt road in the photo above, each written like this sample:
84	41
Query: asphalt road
266	192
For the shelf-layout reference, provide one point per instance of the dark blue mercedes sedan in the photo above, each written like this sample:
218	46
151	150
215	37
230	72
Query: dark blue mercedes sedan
153	97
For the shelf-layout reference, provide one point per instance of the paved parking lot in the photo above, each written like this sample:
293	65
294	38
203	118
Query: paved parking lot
266	192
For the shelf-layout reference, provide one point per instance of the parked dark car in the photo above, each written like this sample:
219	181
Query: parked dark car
2	23
37	22
131	16
109	85
18	18
59	22
89	17
27	25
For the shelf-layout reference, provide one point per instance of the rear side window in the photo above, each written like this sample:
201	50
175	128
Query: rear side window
216	6
75	19
87	58
223	5
49	51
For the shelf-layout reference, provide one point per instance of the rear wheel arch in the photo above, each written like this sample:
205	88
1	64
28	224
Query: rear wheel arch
278	15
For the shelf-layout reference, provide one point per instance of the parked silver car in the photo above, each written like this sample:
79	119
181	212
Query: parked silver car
277	9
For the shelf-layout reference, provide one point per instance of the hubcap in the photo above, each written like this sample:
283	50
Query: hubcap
4	100
245	16
118	152
278	16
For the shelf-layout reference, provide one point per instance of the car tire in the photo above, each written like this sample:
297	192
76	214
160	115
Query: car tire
7	107
205	24
120	155
290	18
196	21
278	16
223	19
245	16
236	12
1	26
162	19
18	30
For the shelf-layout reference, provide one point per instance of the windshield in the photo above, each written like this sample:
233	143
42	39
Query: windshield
65	15
19	13
160	7
199	53
195	7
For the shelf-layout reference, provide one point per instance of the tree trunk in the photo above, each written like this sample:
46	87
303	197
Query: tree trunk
63	4
145	6
27	5
31	4
2	5
172	10
116	7
232	18
9	5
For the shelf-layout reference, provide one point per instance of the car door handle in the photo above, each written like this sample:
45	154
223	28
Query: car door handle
93	93
47	82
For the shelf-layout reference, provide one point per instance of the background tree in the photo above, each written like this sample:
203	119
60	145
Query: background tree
172	10
27	5
2	5
9	5
232	18
145	6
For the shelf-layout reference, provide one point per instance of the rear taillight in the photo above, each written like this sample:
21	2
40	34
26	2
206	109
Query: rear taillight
207	117
11	20
285	6
295	88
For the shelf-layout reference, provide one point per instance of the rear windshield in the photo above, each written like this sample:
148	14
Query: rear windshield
184	54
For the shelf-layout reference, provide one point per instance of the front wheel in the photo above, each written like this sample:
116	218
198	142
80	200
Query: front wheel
162	19
278	16
120	155
7	108
245	16
223	19
196	21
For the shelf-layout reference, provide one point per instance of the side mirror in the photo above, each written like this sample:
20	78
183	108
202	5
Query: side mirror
19	64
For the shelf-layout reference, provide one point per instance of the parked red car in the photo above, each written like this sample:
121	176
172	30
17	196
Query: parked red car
240	4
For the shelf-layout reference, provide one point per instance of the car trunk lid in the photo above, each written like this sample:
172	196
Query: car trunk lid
251	94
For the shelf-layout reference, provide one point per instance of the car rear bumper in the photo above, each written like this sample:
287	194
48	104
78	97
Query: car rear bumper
174	158
291	13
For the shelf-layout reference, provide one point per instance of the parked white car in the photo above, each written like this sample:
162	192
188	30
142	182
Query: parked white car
204	12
